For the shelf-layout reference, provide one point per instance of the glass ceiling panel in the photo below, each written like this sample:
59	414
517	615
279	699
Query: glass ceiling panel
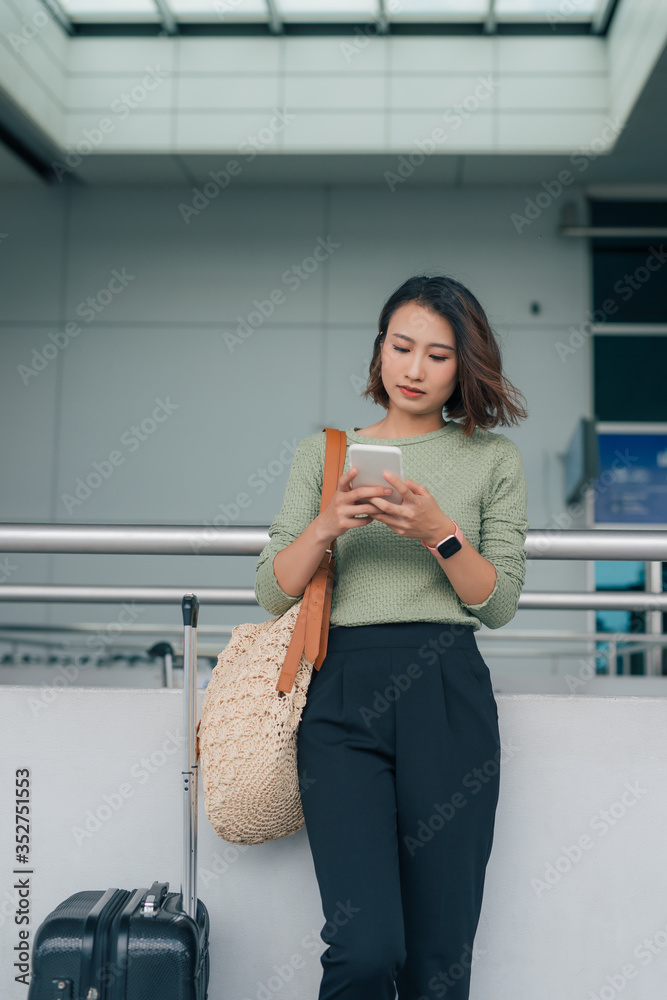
543	7
111	10
220	10
331	11
469	10
348	10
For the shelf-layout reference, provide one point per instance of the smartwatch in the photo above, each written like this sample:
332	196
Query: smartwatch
449	545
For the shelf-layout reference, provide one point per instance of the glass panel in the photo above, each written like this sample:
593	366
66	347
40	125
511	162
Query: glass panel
473	10
574	9
111	10
348	10
624	574
331	10
612	575
214	10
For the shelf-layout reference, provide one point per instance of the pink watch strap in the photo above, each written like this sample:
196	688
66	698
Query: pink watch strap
457	533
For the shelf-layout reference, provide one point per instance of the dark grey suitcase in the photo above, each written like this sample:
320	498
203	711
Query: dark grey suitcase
134	944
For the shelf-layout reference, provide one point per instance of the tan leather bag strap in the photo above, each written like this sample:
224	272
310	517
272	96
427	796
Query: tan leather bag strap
311	632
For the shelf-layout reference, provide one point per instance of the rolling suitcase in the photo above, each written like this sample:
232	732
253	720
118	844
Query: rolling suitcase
135	944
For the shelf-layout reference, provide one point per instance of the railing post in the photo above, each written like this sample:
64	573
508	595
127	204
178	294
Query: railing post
612	662
653	577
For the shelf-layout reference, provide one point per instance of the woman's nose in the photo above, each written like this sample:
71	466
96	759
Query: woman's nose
415	369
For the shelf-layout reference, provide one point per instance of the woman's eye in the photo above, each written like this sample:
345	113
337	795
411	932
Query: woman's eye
437	357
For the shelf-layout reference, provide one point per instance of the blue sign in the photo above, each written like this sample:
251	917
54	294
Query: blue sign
632	485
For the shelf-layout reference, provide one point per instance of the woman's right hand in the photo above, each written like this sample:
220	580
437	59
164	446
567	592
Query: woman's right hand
339	516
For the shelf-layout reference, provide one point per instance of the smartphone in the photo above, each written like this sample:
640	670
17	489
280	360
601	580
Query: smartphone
370	461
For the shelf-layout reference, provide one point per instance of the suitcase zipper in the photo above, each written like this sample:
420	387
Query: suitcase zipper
95	944
88	939
119	937
119	946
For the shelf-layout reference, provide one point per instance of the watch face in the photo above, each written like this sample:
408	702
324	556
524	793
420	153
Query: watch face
449	547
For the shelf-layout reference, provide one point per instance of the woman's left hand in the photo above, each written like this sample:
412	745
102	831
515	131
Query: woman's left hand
418	516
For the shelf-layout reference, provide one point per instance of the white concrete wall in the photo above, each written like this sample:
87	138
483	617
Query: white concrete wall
163	336
572	903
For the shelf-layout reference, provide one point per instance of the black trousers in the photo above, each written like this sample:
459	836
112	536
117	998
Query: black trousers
398	755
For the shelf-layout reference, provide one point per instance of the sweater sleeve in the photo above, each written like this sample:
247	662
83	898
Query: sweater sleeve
301	504
502	538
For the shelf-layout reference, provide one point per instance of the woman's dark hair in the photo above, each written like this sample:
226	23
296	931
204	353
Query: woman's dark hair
482	395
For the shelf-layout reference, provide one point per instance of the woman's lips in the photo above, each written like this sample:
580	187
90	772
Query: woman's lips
411	393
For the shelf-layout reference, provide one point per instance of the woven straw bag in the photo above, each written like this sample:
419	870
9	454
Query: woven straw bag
246	736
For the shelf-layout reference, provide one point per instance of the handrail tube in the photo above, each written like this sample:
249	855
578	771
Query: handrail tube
131	628
127	539
629	600
562	635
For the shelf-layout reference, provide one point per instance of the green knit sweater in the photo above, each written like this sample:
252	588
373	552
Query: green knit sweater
383	577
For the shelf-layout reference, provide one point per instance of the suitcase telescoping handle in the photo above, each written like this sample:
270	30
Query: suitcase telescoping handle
190	608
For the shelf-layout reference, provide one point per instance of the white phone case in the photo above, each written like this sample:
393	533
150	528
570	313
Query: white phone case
371	460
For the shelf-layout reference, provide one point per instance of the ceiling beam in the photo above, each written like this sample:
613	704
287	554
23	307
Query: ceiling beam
167	17
490	23
382	18
57	12
275	20
602	16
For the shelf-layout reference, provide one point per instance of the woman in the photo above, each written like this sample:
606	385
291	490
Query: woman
398	746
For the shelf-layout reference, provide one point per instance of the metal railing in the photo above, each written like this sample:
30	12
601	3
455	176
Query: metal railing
649	546
129	652
244	540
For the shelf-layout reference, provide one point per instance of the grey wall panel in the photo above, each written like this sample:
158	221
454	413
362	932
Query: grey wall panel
241	246
33	245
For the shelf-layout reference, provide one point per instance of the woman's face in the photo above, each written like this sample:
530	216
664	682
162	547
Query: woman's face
419	350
